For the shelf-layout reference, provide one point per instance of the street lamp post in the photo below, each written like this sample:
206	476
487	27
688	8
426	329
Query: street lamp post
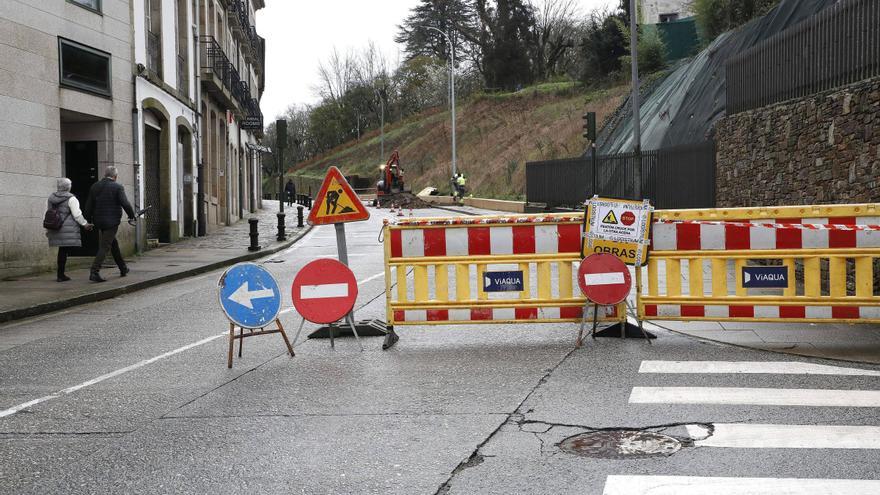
451	88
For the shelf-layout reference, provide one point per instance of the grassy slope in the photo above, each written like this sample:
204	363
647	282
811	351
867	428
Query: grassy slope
496	135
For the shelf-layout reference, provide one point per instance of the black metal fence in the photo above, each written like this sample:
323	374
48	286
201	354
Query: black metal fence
838	46
678	177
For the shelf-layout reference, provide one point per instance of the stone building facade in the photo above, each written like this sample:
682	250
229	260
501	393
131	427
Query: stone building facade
162	89
66	99
658	11
823	148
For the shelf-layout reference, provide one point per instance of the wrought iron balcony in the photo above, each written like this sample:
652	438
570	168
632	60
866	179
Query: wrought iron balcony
154	53
219	77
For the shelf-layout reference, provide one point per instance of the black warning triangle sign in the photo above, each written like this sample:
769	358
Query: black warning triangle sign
336	202
610	218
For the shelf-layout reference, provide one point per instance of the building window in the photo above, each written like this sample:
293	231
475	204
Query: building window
94	5
84	68
668	17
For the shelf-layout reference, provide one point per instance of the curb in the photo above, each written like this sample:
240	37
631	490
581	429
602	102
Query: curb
40	309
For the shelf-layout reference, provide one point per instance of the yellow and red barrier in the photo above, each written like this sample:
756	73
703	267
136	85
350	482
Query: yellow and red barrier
830	252
434	269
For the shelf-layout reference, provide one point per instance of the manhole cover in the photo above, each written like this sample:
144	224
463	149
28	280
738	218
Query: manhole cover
620	444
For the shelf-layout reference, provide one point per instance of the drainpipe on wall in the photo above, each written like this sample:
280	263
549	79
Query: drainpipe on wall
136	166
201	217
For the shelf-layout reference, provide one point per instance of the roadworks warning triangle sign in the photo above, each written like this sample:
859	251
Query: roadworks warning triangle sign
336	202
610	218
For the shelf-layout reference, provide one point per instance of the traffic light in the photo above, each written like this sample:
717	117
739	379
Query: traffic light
590	126
280	134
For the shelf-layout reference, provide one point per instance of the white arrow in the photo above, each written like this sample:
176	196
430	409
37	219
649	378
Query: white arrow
244	296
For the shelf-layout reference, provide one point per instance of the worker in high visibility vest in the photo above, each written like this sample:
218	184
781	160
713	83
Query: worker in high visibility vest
458	183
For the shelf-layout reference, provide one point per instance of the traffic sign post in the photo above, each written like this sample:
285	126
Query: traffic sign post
325	291
251	300
336	203
619	228
604	280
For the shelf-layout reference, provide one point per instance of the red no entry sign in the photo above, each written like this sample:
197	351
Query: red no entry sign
604	279
324	291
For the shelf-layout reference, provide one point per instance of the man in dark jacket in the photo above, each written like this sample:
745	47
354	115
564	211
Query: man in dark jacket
289	191
104	209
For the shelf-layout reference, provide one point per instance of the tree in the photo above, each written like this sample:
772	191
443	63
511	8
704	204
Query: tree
555	34
602	46
505	33
454	17
717	16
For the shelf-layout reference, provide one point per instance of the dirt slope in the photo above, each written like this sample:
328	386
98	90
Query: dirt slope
496	135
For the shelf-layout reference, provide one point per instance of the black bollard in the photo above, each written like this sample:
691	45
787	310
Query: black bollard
281	235
299	216
255	235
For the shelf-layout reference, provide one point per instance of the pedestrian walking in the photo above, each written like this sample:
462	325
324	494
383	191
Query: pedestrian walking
66	215
104	208
290	191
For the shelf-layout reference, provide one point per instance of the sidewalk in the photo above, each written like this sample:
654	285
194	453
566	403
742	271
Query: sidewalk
39	294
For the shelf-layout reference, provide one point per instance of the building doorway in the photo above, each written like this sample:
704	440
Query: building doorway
81	167
153	183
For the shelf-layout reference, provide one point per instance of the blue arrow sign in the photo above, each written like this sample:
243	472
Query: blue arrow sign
503	281
772	277
249	295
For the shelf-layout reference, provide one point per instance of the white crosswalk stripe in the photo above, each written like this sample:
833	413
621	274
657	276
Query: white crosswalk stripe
700	485
755	396
751	367
756	436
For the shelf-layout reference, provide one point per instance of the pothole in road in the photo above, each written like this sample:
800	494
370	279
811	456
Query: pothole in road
621	444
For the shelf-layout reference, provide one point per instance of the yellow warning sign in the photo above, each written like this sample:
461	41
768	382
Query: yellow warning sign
610	218
336	202
622	230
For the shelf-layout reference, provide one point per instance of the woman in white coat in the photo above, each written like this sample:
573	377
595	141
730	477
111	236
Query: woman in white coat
68	236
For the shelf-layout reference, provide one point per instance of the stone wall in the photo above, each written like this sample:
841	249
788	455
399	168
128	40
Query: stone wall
824	148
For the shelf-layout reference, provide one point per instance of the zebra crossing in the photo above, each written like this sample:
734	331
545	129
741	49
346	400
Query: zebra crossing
756	436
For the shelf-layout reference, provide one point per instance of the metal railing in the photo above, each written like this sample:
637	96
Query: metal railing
677	177
837	46
154	53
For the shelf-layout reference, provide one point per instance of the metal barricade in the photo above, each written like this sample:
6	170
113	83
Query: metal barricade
696	264
435	270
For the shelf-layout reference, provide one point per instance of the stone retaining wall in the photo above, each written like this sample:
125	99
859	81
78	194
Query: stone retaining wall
824	148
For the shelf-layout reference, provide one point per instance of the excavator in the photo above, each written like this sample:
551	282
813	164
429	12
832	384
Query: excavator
391	181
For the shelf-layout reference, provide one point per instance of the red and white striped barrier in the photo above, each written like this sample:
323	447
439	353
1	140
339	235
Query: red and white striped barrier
477	315
762	311
484	241
789	233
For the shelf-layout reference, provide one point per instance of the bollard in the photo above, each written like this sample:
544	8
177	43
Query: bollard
281	235
309	202
299	216
255	235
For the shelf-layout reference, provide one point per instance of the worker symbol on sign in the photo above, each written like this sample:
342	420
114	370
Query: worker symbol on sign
337	202
610	218
333	201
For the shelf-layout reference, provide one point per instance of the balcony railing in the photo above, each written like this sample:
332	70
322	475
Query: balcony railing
154	53
215	60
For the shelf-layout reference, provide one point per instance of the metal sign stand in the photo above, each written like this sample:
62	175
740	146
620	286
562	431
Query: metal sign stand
343	258
640	254
251	333
579	341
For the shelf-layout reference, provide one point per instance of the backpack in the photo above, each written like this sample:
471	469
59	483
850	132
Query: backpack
53	220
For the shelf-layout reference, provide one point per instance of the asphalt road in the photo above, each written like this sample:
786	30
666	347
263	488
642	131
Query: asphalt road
133	395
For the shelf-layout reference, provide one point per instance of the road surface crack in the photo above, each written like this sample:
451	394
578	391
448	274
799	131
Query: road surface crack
515	417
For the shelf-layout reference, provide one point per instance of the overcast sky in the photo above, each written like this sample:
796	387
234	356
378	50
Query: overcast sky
301	33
